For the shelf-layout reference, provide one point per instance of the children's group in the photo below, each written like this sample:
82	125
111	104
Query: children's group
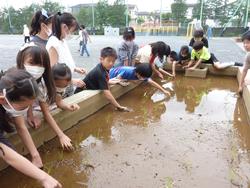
43	76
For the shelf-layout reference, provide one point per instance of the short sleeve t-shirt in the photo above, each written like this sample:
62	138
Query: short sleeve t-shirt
3	124
247	61
203	54
127	50
144	54
204	40
125	72
64	54
37	40
182	58
96	79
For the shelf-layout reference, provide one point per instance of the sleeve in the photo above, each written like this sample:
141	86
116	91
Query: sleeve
123	52
247	62
121	74
52	42
135	51
191	43
205	41
192	55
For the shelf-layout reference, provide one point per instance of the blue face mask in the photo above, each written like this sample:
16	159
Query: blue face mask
12	111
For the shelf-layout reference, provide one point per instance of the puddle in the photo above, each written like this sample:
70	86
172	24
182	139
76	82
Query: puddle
198	138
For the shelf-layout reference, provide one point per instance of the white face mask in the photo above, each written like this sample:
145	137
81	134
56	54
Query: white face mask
35	71
12	111
60	90
49	32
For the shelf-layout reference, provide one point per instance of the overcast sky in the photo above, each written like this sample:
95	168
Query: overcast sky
143	5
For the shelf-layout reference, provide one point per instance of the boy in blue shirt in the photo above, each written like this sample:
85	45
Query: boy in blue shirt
142	71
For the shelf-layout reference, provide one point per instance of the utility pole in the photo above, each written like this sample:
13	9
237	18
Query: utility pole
201	11
246	14
160	14
93	17
126	13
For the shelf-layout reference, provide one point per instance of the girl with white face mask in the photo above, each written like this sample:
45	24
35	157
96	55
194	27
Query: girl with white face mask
63	25
62	77
17	91
35	60
41	27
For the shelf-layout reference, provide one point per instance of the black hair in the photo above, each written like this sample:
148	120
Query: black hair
63	18
39	56
246	36
174	55
82	26
37	20
129	33
198	33
198	45
184	49
144	69
19	84
61	71
160	49
108	52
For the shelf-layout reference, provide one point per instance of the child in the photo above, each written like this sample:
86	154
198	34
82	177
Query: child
98	78
26	33
198	36
180	59
62	78
17	91
127	50
246	43
150	52
142	71
200	54
85	38
41	27
63	24
35	60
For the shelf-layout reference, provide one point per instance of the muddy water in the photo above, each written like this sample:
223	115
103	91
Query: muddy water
198	138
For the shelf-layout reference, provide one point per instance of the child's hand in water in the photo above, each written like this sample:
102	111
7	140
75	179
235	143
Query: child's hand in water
73	107
49	182
80	70
37	161
66	142
123	109
167	93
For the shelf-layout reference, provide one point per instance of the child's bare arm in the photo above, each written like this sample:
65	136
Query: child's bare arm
26	167
64	106
112	100
197	64
156	85
165	72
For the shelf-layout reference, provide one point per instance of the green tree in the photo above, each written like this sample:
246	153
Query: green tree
24	15
167	16
140	20
85	17
117	14
179	10
102	13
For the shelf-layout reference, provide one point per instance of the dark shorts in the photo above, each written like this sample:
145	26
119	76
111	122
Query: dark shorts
212	60
4	140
